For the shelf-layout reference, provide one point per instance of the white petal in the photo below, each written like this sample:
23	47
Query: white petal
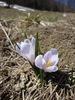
32	49
54	58
19	51
55	69
33	45
26	41
43	64
32	54
51	69
38	61
25	48
25	56
54	51
47	56
33	41
32	59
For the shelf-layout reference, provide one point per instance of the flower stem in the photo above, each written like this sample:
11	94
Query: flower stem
41	77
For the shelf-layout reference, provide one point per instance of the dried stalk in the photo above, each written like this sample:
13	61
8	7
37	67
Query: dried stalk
6	35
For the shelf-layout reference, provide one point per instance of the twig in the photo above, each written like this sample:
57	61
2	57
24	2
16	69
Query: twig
7	60
4	89
6	35
73	86
23	94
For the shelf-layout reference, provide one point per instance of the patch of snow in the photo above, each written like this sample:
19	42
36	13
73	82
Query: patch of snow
20	8
3	4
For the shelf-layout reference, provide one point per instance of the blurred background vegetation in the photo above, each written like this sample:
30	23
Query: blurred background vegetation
49	5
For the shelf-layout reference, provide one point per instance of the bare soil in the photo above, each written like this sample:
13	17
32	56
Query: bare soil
17	79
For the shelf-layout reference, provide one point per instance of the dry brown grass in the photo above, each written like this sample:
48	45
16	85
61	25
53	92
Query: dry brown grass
17	79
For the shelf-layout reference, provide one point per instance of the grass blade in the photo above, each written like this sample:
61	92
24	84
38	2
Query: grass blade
25	35
36	45
61	54
37	52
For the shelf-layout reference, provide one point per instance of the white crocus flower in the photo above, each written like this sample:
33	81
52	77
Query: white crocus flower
27	49
48	62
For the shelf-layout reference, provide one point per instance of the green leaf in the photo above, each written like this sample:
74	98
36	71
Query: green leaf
37	52
25	35
61	54
41	77
54	46
36	45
